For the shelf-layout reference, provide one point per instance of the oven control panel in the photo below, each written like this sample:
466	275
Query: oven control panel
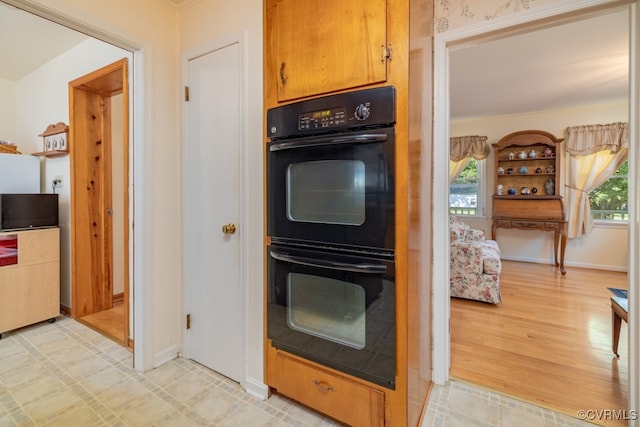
333	113
322	119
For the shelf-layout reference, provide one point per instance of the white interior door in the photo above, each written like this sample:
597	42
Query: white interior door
213	194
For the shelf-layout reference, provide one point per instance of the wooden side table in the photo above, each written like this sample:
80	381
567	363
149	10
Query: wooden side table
619	308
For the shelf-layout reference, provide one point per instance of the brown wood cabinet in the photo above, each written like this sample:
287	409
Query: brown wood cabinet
30	288
336	46
527	174
321	46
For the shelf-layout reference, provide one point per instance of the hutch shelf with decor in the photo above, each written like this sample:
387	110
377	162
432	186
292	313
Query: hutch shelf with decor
526	197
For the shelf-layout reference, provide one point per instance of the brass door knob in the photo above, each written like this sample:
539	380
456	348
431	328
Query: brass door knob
229	229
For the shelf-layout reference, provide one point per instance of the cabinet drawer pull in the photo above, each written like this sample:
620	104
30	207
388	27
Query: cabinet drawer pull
283	77
323	386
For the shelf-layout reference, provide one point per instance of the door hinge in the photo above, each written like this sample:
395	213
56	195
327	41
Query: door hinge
188	321
186	93
387	53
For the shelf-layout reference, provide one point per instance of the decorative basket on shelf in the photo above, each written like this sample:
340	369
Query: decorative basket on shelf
8	148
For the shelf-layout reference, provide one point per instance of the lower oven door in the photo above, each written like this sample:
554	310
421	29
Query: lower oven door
334	309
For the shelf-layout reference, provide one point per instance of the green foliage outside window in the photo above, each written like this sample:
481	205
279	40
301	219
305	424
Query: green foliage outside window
470	171
609	201
463	192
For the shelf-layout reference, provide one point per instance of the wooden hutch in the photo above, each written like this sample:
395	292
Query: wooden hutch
527	174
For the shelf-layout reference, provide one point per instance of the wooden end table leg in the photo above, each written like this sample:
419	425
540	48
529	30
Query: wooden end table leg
563	246
556	246
616	322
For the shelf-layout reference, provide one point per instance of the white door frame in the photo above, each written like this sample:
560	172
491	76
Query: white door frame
240	39
440	279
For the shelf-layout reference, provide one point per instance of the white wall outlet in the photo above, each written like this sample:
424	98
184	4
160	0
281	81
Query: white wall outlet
57	181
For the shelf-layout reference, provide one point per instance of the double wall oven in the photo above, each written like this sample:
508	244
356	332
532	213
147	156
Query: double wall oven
331	223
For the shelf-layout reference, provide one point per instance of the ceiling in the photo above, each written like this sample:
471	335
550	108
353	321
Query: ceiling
582	62
29	41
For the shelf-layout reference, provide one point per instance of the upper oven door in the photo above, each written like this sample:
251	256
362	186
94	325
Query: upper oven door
335	190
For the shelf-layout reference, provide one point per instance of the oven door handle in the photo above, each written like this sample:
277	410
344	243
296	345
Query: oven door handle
330	140
333	265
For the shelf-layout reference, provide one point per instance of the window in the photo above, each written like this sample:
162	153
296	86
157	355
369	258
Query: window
465	193
609	200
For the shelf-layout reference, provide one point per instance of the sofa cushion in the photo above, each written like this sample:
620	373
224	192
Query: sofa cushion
457	229
491	258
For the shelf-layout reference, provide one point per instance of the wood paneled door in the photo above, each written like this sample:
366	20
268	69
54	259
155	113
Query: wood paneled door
97	149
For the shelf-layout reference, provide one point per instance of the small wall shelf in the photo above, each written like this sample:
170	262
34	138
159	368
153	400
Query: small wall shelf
55	141
53	153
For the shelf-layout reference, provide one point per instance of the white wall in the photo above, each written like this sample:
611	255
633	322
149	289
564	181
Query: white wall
209	22
607	246
42	98
7	112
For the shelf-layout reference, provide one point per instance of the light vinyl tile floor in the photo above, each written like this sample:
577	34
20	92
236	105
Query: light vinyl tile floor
65	374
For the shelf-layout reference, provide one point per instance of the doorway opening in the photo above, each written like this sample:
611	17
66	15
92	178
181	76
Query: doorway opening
99	134
441	133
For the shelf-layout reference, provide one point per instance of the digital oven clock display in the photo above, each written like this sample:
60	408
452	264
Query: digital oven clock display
321	114
322	119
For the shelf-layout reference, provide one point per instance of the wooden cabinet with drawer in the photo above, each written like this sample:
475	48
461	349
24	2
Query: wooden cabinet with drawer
525	213
343	47
30	281
338	396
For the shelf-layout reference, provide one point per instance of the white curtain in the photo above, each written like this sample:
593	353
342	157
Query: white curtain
595	153
462	149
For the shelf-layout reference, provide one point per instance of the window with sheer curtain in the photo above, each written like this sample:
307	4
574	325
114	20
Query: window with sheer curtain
596	152
466	174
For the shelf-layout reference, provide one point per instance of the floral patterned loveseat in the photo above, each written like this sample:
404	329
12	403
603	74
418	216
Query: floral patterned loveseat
475	264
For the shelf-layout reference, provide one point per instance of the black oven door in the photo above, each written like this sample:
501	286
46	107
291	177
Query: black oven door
336	189
335	309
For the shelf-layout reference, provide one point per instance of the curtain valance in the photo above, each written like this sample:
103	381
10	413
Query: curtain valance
462	147
589	139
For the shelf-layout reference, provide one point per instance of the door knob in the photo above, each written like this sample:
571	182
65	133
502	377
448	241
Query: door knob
229	229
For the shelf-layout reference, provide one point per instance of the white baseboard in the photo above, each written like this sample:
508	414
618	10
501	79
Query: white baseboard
166	355
566	264
256	388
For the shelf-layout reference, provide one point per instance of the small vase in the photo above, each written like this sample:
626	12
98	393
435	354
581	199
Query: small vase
550	187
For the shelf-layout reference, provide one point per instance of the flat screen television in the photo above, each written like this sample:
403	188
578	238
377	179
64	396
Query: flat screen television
25	211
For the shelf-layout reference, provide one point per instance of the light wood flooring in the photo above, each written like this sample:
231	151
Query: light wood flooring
548	342
109	323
